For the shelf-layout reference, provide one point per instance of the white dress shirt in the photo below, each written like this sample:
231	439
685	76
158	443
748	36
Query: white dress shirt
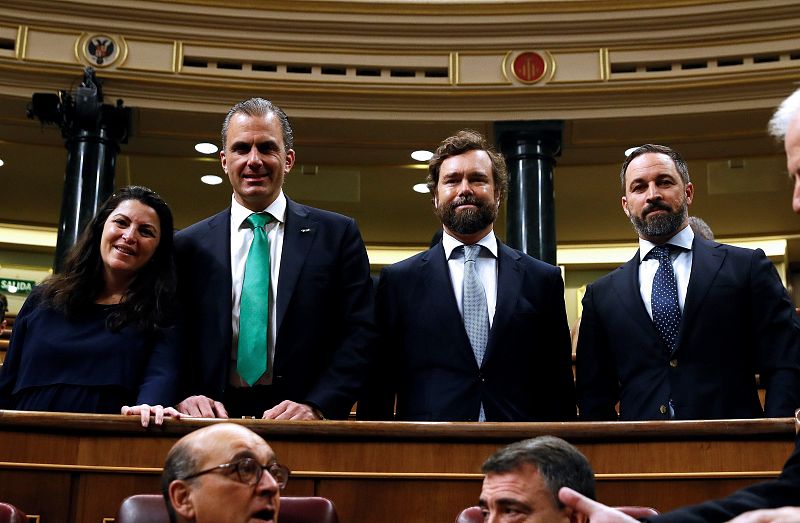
681	265
241	238
486	266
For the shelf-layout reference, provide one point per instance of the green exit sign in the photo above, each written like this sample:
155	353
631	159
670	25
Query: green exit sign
16	286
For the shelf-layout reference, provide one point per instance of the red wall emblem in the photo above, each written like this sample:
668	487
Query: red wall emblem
529	67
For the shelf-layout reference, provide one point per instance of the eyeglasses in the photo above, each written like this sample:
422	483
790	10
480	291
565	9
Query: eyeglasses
249	471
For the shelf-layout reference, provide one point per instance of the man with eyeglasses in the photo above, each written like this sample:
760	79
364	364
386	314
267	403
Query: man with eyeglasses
224	473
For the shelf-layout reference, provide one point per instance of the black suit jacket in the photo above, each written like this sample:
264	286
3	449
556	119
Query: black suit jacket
325	316
427	360
737	321
784	491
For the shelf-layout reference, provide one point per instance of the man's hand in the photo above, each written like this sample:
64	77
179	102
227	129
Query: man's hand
202	407
776	515
596	512
291	410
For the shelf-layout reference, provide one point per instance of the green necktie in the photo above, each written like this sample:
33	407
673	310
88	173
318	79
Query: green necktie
251	359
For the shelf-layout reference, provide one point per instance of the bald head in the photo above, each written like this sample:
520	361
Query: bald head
202	482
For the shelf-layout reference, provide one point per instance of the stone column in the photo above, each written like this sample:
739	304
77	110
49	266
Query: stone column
530	149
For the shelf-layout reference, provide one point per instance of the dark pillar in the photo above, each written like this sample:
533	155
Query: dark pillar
530	149
92	133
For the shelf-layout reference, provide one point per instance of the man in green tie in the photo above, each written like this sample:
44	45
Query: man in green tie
277	297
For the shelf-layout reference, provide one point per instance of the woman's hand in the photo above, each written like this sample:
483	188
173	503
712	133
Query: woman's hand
145	411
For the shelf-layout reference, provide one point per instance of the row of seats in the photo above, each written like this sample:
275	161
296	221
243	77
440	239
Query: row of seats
150	508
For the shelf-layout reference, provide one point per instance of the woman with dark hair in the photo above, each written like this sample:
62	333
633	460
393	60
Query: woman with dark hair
101	335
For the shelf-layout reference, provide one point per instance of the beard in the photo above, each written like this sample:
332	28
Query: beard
467	221
660	225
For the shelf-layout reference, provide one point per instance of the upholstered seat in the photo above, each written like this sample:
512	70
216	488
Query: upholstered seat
11	514
150	508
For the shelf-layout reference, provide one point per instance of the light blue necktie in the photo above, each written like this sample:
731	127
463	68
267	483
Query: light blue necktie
475	309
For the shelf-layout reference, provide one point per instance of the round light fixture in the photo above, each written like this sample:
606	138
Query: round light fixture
421	188
2	163
422	156
629	151
211	179
206	148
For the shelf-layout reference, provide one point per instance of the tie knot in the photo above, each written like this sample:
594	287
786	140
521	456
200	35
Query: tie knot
471	252
659	252
257	220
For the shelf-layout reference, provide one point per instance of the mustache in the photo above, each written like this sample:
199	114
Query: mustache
657	205
466	200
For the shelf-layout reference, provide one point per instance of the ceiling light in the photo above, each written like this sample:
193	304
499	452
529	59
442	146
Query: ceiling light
2	163
421	188
629	151
206	148
422	156
211	179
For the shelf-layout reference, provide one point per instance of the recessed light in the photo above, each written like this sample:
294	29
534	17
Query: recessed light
422	156
2	163
206	148
421	188
629	151
211	179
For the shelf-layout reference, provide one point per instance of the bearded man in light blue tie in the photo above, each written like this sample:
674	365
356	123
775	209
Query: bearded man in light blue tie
682	329
471	330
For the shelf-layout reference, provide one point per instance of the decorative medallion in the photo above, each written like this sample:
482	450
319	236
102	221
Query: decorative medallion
529	67
101	50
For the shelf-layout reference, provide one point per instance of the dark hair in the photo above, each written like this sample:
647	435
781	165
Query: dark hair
259	107
677	160
463	142
148	302
558	463
3	307
178	465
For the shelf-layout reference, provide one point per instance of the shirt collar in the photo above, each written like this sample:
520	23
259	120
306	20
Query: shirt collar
450	244
682	239
277	209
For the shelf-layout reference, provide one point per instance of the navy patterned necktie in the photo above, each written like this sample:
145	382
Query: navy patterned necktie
475	309
664	299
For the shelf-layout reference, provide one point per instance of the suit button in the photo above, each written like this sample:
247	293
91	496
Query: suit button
662	409
673	363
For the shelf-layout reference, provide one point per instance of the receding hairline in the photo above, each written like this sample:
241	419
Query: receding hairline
193	440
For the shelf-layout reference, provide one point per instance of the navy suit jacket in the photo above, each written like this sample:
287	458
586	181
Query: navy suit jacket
781	492
325	316
737	321
427	361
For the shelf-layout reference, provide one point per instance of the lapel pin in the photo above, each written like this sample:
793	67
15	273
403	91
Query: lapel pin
305	230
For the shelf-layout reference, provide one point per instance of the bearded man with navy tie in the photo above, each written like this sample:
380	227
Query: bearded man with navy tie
471	329
681	330
277	296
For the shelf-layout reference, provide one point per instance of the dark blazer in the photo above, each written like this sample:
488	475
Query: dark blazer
737	321
427	360
325	316
784	491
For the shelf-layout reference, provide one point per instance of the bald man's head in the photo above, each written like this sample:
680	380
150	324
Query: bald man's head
222	473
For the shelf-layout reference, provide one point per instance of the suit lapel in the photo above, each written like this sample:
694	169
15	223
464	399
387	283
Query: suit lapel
626	283
706	262
298	235
436	284
220	283
509	281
